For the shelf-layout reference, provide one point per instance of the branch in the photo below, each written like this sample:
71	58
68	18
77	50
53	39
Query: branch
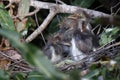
50	16
68	9
26	15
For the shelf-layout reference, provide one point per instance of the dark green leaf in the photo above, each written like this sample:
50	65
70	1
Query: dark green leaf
36	76
83	3
19	76
5	19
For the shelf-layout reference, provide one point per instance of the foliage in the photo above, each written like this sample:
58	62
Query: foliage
5	19
46	71
3	75
108	35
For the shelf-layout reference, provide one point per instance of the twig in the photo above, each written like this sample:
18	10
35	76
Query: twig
29	14
96	27
117	11
36	19
32	13
11	2
24	68
53	12
60	2
98	7
6	56
114	7
98	32
8	5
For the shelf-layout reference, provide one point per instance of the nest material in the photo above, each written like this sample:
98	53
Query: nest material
109	50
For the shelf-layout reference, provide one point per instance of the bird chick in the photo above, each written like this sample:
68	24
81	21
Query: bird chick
83	40
82	43
56	50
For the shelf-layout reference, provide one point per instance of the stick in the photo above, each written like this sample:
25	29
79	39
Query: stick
50	16
68	8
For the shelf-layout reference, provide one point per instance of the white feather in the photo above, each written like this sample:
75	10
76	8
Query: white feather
75	52
54	56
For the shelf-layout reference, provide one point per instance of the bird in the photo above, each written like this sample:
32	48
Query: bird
55	49
83	40
82	44
74	38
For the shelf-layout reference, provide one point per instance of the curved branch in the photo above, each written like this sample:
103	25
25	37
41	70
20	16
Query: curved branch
50	16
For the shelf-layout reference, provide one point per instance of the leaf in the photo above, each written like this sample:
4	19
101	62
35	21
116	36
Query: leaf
92	74
3	75
23	9
108	35
83	3
32	54
19	76
5	19
104	38
36	76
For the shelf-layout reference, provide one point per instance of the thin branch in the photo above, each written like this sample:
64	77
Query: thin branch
24	68
32	13
36	19
11	2
117	11
61	2
98	32
29	14
98	7
50	16
96	27
6	56
114	7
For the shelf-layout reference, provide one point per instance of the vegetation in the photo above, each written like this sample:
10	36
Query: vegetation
34	65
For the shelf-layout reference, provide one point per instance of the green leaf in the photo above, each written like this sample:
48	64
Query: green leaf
19	76
36	76
108	35
83	3
32	54
3	75
5	19
104	38
92	74
23	9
